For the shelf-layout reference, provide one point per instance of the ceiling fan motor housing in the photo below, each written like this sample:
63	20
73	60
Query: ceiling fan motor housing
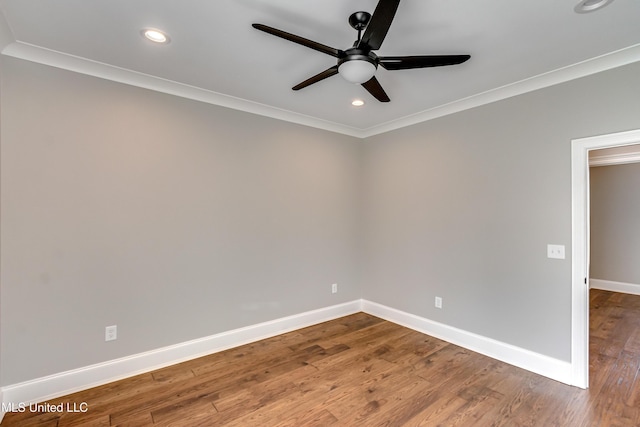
358	65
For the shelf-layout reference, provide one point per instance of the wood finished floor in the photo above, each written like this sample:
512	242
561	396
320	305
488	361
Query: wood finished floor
363	371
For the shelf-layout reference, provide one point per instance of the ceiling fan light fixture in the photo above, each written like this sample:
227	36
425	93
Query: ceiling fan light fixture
357	70
586	6
155	35
358	64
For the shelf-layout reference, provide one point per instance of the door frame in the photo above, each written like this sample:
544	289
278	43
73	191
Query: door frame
580	224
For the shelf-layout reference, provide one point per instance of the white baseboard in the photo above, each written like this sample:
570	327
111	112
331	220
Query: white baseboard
45	388
540	364
608	285
64	383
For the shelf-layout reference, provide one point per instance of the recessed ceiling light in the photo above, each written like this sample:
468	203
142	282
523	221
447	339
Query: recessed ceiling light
155	35
357	102
586	6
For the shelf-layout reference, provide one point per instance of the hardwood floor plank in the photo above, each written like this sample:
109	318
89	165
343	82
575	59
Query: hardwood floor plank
175	412
248	400
39	421
377	395
391	402
436	413
316	417
100	421
632	344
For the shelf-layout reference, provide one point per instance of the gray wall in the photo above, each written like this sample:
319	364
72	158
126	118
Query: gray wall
177	220
462	207
173	219
615	223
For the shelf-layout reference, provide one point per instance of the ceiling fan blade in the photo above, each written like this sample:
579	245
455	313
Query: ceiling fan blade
423	61
318	77
300	40
379	24
373	87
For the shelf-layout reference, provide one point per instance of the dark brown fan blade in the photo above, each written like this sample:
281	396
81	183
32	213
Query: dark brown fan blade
423	61
373	87
379	24
300	40
315	79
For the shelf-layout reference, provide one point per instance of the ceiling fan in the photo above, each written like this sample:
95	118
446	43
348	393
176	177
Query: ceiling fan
358	64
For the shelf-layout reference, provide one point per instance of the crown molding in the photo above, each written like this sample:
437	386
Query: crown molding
81	65
40	55
595	65
614	159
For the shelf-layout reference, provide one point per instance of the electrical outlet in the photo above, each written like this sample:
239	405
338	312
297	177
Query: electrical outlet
110	333
438	302
334	288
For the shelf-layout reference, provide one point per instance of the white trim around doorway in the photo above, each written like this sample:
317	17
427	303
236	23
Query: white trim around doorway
580	245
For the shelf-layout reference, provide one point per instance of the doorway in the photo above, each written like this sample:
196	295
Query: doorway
580	255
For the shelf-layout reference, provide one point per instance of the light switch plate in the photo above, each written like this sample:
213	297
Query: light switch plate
555	251
438	302
111	333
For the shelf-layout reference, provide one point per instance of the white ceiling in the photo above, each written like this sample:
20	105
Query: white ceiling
216	56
